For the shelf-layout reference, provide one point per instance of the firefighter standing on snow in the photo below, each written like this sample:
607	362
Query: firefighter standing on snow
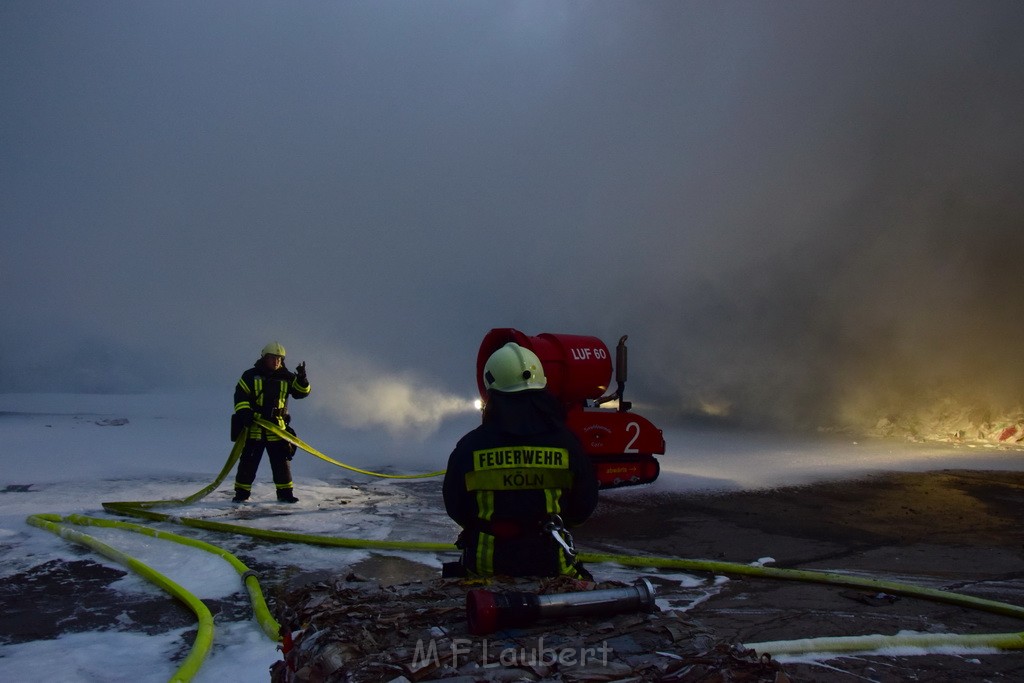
517	476
263	391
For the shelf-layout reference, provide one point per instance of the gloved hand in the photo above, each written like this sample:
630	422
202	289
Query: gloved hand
300	372
245	415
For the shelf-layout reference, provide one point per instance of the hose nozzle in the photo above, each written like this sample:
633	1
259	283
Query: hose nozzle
488	612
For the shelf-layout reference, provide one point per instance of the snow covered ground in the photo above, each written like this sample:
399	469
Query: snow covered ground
69	453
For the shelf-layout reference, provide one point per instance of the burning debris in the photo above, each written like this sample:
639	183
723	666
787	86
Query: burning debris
948	421
352	629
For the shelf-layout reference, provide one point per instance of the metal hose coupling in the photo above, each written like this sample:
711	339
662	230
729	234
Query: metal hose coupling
556	528
488	612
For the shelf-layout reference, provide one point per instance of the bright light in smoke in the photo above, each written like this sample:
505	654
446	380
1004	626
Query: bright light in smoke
478	404
359	395
396	405
715	408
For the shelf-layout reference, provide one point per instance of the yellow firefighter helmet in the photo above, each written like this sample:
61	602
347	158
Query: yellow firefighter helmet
514	368
273	349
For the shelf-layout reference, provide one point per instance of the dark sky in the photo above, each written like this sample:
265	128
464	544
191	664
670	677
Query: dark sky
798	211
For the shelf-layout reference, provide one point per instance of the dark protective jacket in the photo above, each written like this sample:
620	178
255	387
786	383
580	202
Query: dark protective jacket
505	480
263	393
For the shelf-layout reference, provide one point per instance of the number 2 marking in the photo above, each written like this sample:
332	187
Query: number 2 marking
629	428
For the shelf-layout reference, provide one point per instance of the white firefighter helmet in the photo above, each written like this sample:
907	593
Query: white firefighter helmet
273	349
514	368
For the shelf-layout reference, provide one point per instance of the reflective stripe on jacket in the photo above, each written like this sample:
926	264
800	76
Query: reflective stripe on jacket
266	395
502	488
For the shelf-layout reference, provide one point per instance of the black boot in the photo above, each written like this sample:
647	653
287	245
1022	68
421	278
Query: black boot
286	496
241	495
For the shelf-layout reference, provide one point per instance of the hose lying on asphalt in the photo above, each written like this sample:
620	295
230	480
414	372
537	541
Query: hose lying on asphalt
1001	641
204	637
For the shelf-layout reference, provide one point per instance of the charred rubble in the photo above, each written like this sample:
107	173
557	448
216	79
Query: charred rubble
351	629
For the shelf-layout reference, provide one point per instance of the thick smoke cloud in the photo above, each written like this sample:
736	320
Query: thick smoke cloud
859	257
802	214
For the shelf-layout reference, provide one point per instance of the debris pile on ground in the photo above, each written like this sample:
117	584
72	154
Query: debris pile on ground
949	421
350	629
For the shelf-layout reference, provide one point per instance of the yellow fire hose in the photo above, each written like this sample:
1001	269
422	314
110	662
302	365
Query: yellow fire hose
204	637
291	438
1001	641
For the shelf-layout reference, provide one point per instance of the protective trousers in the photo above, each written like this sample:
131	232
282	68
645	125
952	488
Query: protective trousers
278	452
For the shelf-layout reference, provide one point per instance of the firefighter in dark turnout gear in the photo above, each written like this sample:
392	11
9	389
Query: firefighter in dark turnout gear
263	391
514	481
